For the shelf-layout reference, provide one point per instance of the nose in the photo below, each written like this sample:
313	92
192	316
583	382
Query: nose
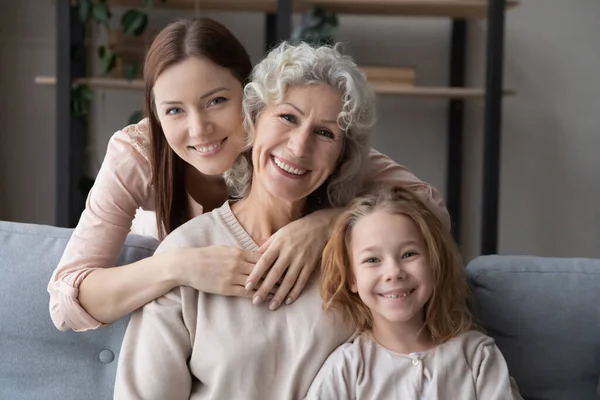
300	142
199	125
394	271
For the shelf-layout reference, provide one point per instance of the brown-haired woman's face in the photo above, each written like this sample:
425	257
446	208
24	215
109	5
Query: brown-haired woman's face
199	106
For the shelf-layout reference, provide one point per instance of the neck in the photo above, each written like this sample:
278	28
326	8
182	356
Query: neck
208	190
403	338
262	215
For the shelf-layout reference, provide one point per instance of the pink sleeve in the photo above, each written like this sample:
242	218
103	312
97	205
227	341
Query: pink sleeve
384	171
121	186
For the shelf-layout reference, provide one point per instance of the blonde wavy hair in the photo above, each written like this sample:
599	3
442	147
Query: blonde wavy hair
302	64
447	313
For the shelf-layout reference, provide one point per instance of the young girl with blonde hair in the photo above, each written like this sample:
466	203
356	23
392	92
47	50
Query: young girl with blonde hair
394	270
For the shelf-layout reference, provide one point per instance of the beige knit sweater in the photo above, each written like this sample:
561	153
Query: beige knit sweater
189	344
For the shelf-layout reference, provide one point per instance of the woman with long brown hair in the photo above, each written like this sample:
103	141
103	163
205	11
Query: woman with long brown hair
168	169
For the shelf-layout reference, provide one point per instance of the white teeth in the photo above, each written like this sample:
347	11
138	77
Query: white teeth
288	168
395	296
207	149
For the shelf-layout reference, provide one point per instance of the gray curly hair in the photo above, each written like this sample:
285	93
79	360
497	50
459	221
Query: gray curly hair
301	64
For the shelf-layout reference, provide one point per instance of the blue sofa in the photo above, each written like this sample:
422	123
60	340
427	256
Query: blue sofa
544	314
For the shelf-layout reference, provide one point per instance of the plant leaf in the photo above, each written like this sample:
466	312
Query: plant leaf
100	12
131	70
136	117
134	22
107	59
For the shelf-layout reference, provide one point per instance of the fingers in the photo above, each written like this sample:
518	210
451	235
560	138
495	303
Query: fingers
265	245
262	265
251	256
291	275
276	272
240	291
300	283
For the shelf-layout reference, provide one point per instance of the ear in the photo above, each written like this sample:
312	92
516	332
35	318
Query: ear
352	284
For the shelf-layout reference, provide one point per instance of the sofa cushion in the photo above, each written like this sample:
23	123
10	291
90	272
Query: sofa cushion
36	360
544	314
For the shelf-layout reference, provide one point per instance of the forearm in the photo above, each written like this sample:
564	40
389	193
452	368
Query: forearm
108	294
325	218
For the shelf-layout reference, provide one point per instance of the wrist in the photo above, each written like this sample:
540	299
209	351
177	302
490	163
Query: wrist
174	269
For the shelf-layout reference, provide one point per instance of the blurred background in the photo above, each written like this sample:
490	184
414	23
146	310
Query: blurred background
549	174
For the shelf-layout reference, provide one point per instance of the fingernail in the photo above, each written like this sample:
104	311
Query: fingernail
273	305
288	301
249	285
256	300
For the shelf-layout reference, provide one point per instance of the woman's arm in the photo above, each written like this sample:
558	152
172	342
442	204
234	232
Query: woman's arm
155	351
384	171
121	187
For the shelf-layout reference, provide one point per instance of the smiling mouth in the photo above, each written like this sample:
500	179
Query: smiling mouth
288	168
397	294
207	149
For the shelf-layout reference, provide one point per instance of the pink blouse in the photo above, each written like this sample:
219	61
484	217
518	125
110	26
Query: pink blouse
122	200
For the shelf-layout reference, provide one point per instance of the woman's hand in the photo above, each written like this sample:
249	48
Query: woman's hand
294	250
220	270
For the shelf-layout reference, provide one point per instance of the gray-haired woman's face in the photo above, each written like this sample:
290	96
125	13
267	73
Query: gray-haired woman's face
297	143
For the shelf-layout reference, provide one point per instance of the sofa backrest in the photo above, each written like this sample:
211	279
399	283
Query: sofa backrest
544	314
36	360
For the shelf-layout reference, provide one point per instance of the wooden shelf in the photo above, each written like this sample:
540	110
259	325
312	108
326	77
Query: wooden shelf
431	91
384	88
104	83
422	8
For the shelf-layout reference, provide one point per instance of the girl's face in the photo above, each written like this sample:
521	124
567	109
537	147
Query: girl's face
391	269
199	106
298	142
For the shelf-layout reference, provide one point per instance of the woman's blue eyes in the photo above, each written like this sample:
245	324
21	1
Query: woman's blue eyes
214	102
217	100
322	132
173	111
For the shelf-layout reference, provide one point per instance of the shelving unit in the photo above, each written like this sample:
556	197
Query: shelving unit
379	87
278	27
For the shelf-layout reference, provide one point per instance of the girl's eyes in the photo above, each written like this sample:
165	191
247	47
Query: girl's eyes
409	254
371	260
173	111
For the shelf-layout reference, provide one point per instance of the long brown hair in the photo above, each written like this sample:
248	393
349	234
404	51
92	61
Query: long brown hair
447	314
178	41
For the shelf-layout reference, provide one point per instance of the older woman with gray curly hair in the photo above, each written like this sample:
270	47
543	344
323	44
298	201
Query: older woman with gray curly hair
308	115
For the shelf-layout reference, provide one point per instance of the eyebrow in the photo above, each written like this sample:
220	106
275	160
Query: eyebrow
328	121
204	96
400	246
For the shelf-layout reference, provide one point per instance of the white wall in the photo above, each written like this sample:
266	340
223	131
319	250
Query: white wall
550	174
550	178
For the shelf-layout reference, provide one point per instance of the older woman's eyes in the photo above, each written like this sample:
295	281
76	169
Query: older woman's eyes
173	111
288	117
325	133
